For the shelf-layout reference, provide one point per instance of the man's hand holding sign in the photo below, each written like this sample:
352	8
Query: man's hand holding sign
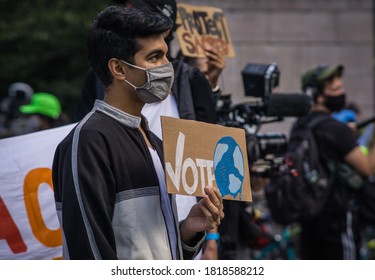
205	215
205	160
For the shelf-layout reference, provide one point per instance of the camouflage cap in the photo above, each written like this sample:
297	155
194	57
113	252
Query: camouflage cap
316	75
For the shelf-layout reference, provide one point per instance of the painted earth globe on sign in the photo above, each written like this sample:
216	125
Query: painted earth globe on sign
229	167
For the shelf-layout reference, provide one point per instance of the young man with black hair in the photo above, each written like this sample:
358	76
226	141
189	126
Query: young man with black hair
334	234
192	92
192	96
109	180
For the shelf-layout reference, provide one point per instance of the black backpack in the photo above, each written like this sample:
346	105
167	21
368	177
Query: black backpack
302	185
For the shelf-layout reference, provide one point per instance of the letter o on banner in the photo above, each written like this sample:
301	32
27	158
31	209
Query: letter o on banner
33	179
189	163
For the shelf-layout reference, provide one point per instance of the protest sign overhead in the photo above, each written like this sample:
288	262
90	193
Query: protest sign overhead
198	154
200	27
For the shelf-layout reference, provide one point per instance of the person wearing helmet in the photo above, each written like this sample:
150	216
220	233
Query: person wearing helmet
19	93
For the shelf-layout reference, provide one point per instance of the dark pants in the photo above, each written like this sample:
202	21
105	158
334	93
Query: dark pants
330	238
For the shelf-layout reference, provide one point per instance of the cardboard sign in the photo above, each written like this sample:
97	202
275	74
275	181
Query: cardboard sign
199	27
198	154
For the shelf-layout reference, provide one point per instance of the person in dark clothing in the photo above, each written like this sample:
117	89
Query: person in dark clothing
334	233
108	176
192	91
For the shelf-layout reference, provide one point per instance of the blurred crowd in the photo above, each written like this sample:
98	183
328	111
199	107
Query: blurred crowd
24	111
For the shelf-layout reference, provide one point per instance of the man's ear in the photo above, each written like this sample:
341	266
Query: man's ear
116	68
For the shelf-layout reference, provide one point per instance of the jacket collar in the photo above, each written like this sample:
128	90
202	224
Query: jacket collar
121	116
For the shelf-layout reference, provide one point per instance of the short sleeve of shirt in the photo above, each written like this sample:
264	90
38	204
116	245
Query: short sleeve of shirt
335	139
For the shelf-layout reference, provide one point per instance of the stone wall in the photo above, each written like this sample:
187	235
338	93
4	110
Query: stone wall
297	34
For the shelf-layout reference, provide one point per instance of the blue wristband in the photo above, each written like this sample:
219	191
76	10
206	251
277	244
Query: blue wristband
213	236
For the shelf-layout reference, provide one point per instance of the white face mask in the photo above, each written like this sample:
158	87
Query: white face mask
159	83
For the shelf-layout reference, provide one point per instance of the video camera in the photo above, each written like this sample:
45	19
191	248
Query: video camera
259	81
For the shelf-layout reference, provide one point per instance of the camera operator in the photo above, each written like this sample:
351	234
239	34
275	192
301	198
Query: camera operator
334	233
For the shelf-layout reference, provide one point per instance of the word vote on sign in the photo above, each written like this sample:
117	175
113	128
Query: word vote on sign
198	154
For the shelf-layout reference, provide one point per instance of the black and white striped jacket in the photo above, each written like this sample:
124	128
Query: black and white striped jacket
107	191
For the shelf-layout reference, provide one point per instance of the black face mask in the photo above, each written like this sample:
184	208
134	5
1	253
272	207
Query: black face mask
335	103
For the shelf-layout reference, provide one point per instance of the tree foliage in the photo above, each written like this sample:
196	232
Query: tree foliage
43	43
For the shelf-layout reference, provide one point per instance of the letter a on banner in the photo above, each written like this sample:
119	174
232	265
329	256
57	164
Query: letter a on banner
9	230
50	238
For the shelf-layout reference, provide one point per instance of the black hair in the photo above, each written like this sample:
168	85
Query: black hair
114	34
